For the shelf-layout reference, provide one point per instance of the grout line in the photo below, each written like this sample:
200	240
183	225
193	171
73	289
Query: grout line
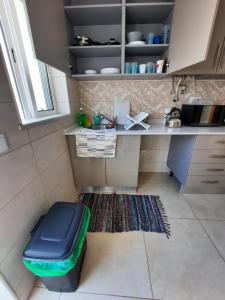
148	263
20	191
206	232
14	149
111	295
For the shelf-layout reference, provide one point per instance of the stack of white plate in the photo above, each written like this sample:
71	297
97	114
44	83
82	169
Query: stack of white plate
136	43
90	72
110	71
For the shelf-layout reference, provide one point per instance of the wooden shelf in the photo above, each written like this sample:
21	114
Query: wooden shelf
146	13
96	51
99	77
83	15
101	20
152	76
96	77
146	50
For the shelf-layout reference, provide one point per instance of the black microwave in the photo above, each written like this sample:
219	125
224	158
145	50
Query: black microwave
203	115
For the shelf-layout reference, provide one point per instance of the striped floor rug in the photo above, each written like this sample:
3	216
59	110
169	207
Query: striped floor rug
125	212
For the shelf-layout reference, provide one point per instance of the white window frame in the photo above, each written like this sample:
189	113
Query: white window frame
16	63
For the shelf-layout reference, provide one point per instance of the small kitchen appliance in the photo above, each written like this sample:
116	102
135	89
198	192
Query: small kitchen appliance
203	115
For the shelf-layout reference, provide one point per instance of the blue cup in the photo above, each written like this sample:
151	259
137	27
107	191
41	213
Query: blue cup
127	68
157	39
134	68
150	38
166	34
150	67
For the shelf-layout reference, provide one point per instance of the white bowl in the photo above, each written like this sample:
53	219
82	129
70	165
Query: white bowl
134	36
90	72
110	71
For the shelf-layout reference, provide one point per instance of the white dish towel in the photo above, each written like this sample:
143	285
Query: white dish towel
96	143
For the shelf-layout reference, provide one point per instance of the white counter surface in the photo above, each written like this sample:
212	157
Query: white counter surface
158	128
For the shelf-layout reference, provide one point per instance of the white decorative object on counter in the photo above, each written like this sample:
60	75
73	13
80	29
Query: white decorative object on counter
121	110
174	123
137	120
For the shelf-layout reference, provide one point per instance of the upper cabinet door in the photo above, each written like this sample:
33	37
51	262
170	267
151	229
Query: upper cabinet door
192	27
48	27
221	28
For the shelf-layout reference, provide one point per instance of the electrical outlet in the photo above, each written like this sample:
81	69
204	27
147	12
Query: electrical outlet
3	143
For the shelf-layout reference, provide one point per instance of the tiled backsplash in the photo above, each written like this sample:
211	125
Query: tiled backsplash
152	96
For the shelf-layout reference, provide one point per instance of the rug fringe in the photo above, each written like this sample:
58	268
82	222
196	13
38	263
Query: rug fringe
164	217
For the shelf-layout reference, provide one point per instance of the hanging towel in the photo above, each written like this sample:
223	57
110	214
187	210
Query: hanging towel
96	143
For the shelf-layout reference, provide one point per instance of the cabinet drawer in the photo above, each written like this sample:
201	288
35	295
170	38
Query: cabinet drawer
208	156
207	169
210	142
205	185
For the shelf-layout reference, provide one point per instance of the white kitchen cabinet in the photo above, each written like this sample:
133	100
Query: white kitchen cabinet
119	172
122	171
87	171
193	21
198	169
197	44
49	31
198	37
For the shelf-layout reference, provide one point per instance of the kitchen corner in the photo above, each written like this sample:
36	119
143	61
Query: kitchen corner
143	150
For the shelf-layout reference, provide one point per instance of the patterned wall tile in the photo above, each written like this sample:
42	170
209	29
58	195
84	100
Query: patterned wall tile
152	96
94	90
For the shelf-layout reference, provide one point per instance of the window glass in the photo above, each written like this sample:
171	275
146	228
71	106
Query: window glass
37	70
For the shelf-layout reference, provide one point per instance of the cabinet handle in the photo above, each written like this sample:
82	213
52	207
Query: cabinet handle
210	181
217	156
215	170
220	142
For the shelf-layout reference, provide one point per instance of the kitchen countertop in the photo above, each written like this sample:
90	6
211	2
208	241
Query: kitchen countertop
158	128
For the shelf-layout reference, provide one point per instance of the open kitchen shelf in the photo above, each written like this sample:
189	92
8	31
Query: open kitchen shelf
146	50
96	51
103	14
104	19
144	13
96	77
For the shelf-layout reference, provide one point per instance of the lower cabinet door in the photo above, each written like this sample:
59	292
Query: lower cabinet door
205	185
122	171
87	171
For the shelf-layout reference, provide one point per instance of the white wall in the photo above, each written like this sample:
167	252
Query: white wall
34	174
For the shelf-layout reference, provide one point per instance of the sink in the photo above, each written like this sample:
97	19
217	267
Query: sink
99	127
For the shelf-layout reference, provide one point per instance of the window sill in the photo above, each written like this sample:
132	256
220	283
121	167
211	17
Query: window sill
42	120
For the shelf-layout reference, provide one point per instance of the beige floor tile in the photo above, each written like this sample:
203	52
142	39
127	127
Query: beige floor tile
43	294
175	206
216	231
163	185
84	296
116	264
187	266
211	207
154	183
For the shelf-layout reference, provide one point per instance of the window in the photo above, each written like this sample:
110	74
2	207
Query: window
30	78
